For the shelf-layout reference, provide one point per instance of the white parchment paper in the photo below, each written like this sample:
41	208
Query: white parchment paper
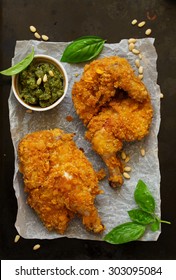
113	204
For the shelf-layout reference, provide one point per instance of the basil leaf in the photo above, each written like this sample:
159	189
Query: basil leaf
140	216
83	49
144	198
17	68
155	226
125	233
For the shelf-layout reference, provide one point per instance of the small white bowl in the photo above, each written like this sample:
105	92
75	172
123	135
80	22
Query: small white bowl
55	62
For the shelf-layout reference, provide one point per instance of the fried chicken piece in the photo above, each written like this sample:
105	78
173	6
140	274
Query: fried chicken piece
115	106
99	83
59	180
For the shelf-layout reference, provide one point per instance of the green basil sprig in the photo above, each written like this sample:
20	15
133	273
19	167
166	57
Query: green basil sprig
155	225
83	49
144	198
125	233
17	68
141	217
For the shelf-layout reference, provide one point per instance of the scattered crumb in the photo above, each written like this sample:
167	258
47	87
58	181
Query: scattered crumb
151	15
29	111
69	118
81	149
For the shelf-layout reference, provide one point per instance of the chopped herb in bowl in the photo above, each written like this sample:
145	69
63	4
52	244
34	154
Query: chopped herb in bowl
42	85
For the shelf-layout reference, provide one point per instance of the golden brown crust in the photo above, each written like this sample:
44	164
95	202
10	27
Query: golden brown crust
99	82
59	180
115	106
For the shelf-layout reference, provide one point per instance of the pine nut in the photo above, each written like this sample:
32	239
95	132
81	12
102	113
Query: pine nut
131	46
127	168
36	247
140	56
148	31
32	28
141	24
137	63
123	155
143	152
126	175
132	40
141	76
39	81
51	73
135	51
161	95
45	38
29	111
17	237
45	78
127	159
141	70
134	21
37	35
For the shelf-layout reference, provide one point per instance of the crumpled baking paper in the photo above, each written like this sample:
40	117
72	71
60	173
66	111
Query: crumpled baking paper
114	203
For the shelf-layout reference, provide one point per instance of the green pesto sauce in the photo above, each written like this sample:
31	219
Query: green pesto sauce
45	93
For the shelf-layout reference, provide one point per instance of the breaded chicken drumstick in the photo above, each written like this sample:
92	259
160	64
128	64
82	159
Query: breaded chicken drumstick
115	106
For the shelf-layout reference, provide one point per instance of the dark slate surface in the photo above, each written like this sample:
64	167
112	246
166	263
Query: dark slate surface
64	21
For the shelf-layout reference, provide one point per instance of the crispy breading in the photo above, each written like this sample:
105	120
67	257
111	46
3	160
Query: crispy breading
59	180
99	83
115	106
